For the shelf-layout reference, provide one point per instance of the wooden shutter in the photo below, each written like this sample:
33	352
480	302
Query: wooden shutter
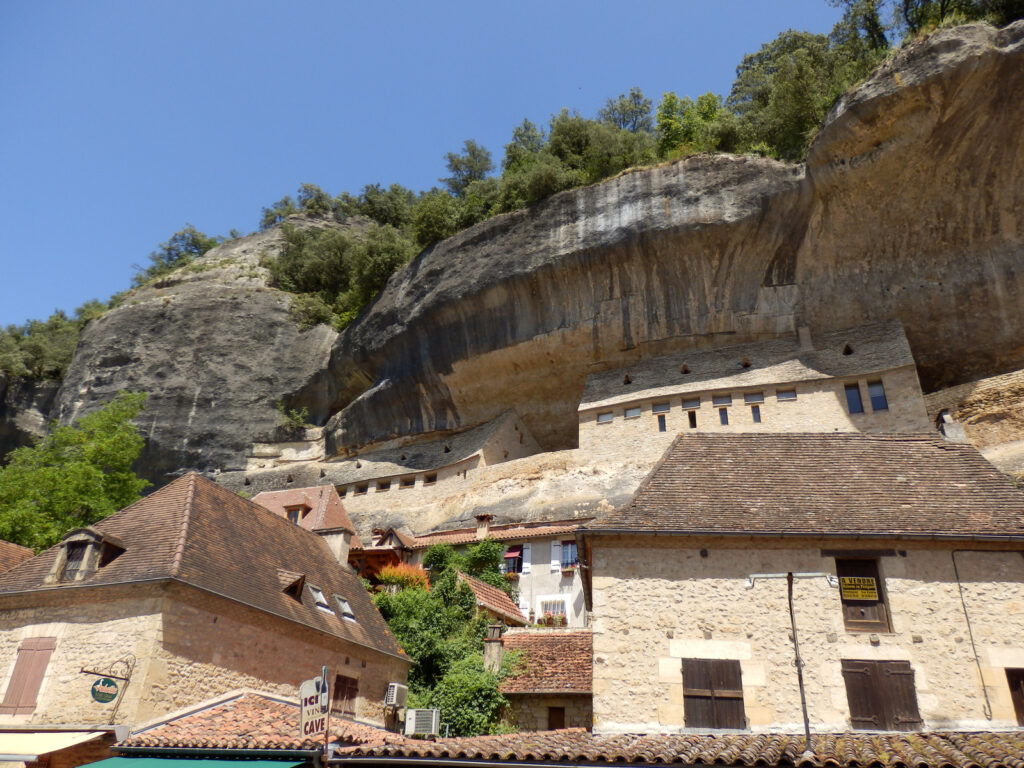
346	690
27	677
858	581
556	556
527	562
1015	677
556	718
881	695
713	694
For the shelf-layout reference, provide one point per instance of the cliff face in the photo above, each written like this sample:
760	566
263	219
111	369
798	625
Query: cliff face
24	409
910	206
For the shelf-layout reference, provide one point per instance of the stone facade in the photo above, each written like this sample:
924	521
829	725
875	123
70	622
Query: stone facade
819	406
658	600
187	646
532	712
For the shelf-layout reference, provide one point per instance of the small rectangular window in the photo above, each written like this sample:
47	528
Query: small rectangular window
74	561
853	402
662	426
556	718
293	515
862	595
408	482
877	394
1015	679
569	556
383	485
723	416
692	416
430	479
693	402
319	599
633	413
785	394
881	695
361	489
721	400
605	418
660	408
755	413
513	559
753	397
345	608
713	694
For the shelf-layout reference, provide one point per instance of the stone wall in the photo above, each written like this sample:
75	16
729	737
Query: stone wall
658	600
820	406
529	712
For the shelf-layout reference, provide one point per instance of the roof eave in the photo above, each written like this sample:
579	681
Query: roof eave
790	534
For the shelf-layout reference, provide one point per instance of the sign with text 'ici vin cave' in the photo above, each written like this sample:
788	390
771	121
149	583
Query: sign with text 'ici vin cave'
313	703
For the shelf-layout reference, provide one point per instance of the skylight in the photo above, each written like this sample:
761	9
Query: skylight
320	599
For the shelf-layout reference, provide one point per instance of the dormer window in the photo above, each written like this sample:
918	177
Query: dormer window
74	560
296	513
83	552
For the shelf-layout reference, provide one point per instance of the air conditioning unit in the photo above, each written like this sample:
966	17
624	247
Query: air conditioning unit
426	722
396	695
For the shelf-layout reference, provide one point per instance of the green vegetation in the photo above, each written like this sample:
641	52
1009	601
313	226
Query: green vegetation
74	476
443	634
184	247
293	418
42	349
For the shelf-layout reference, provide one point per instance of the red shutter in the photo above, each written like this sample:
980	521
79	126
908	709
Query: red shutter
33	657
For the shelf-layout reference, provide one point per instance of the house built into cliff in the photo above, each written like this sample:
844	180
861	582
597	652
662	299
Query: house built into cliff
856	380
889	564
189	592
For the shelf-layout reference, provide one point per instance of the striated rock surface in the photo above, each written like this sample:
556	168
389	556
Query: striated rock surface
24	411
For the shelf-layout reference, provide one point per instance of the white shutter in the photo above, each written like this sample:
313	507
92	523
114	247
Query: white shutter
556	556
526	558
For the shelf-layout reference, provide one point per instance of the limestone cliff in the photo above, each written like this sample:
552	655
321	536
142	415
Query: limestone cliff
910	206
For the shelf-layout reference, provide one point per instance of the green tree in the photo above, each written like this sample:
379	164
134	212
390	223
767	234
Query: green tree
472	164
314	201
631	112
74	476
183	247
527	142
469	698
278	212
435	217
387	206
375	258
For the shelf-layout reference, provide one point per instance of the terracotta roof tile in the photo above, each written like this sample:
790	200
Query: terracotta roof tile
326	512
251	721
554	661
510	532
494	599
194	531
12	554
839	750
832	484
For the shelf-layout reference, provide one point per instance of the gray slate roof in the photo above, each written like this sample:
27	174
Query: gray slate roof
876	347
831	484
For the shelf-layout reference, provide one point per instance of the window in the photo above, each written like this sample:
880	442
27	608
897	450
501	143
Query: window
755	413
569	555
785	394
319	599
860	591
383	485
343	697
877	394
27	677
430	479
660	408
556	718
662	426
753	397
692	416
514	559
551	606
721	400
1015	677
723	417
361	489
881	695
74	560
693	402
293	515
605	418
713	694
633	413
345	608
853	403
408	482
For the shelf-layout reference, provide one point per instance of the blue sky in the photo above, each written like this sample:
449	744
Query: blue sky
122	121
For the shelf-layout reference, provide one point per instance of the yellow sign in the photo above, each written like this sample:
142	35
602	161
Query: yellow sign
858	588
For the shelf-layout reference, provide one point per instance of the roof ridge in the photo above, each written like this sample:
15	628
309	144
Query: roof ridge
179	549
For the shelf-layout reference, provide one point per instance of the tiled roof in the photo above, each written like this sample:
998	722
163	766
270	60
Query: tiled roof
11	554
495	600
511	532
835	750
251	721
554	661
416	457
913	486
196	532
875	347
326	512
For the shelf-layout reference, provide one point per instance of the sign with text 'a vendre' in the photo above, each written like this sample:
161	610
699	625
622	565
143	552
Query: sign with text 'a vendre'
313	703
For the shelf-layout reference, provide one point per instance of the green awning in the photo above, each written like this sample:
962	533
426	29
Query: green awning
184	762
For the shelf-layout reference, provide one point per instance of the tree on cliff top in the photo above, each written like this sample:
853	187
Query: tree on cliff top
74	476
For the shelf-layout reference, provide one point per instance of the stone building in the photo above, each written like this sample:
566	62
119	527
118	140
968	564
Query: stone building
318	510
907	588
857	380
188	593
550	687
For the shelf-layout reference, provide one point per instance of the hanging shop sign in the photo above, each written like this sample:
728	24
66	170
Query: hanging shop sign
313	704
104	690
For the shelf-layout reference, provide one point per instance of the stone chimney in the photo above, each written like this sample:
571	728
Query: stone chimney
494	647
951	429
483	526
804	334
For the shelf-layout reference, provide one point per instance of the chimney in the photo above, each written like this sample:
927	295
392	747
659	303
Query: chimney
483	526
494	649
804	334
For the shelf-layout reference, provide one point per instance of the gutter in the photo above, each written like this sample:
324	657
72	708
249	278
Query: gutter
1012	538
